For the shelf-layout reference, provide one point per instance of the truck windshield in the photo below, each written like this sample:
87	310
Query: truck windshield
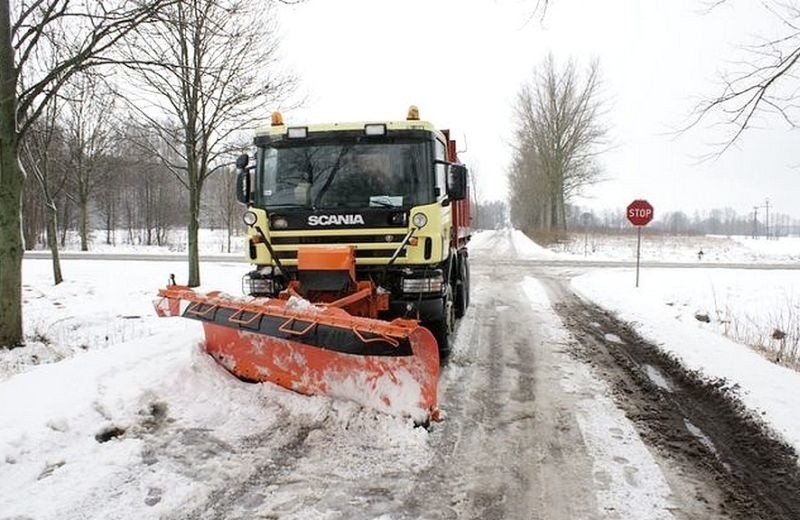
339	175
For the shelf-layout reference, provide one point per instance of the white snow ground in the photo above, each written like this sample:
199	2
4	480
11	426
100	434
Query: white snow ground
629	480
148	373
668	248
662	310
137	366
98	305
746	305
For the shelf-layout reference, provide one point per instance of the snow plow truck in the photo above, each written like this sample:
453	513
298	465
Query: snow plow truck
358	235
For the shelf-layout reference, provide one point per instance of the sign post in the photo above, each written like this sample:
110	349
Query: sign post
639	213
586	217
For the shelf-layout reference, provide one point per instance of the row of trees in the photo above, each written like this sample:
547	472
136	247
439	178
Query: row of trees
125	106
495	215
557	139
714	222
124	188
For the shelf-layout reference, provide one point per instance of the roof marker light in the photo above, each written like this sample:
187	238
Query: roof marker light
413	113
375	129
297	132
277	119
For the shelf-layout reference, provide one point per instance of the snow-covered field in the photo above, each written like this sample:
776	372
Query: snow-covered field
663	311
98	305
669	248
211	241
757	308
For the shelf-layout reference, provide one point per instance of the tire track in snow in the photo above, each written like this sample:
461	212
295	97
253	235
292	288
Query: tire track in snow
715	445
503	450
265	461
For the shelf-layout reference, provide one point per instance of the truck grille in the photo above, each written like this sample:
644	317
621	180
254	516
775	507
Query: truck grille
372	246
360	253
339	239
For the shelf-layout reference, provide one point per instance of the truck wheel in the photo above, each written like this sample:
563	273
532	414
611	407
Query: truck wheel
442	329
441	332
467	285
461	299
462	288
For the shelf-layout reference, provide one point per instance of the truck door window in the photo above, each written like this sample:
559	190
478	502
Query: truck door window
441	170
269	158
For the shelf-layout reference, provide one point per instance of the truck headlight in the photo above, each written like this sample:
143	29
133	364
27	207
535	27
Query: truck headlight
280	223
255	285
419	220
249	218
423	285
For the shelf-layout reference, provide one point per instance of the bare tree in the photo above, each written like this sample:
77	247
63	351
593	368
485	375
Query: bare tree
558	138
42	155
79	35
146	195
88	112
33	225
212	81
762	83
222	204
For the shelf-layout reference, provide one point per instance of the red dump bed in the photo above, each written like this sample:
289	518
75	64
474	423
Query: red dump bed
462	220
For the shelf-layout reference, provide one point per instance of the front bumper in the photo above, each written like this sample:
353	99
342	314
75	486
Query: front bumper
424	309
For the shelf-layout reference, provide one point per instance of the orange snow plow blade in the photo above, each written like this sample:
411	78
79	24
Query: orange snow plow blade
389	366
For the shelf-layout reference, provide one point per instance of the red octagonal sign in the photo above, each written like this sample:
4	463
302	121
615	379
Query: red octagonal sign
640	212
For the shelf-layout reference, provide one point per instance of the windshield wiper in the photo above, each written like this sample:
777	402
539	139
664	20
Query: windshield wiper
287	205
331	175
382	203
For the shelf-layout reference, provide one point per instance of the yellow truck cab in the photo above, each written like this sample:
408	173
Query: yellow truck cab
393	190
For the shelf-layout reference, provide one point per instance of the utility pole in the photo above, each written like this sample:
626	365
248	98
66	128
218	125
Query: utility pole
586	218
755	222
766	225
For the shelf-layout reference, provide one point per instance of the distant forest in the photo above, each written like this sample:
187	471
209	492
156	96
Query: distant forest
495	214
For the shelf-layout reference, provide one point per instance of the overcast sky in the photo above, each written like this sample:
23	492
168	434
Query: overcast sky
463	62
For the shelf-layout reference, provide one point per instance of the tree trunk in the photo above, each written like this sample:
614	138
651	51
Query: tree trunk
111	220
12	180
65	223
84	224
11	246
193	229
129	221
52	240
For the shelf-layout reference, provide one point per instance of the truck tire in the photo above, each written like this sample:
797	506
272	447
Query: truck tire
462	287
442	330
467	284
461	299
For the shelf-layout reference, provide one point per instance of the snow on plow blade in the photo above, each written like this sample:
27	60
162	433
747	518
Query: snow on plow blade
389	366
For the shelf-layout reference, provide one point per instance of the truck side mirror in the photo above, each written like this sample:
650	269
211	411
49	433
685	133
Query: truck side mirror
457	182
243	180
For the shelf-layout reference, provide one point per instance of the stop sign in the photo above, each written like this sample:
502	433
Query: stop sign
640	212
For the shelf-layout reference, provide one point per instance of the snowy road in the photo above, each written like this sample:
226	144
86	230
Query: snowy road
552	410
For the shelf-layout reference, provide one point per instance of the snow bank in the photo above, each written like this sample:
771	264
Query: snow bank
99	304
528	249
674	248
507	243
608	435
662	310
